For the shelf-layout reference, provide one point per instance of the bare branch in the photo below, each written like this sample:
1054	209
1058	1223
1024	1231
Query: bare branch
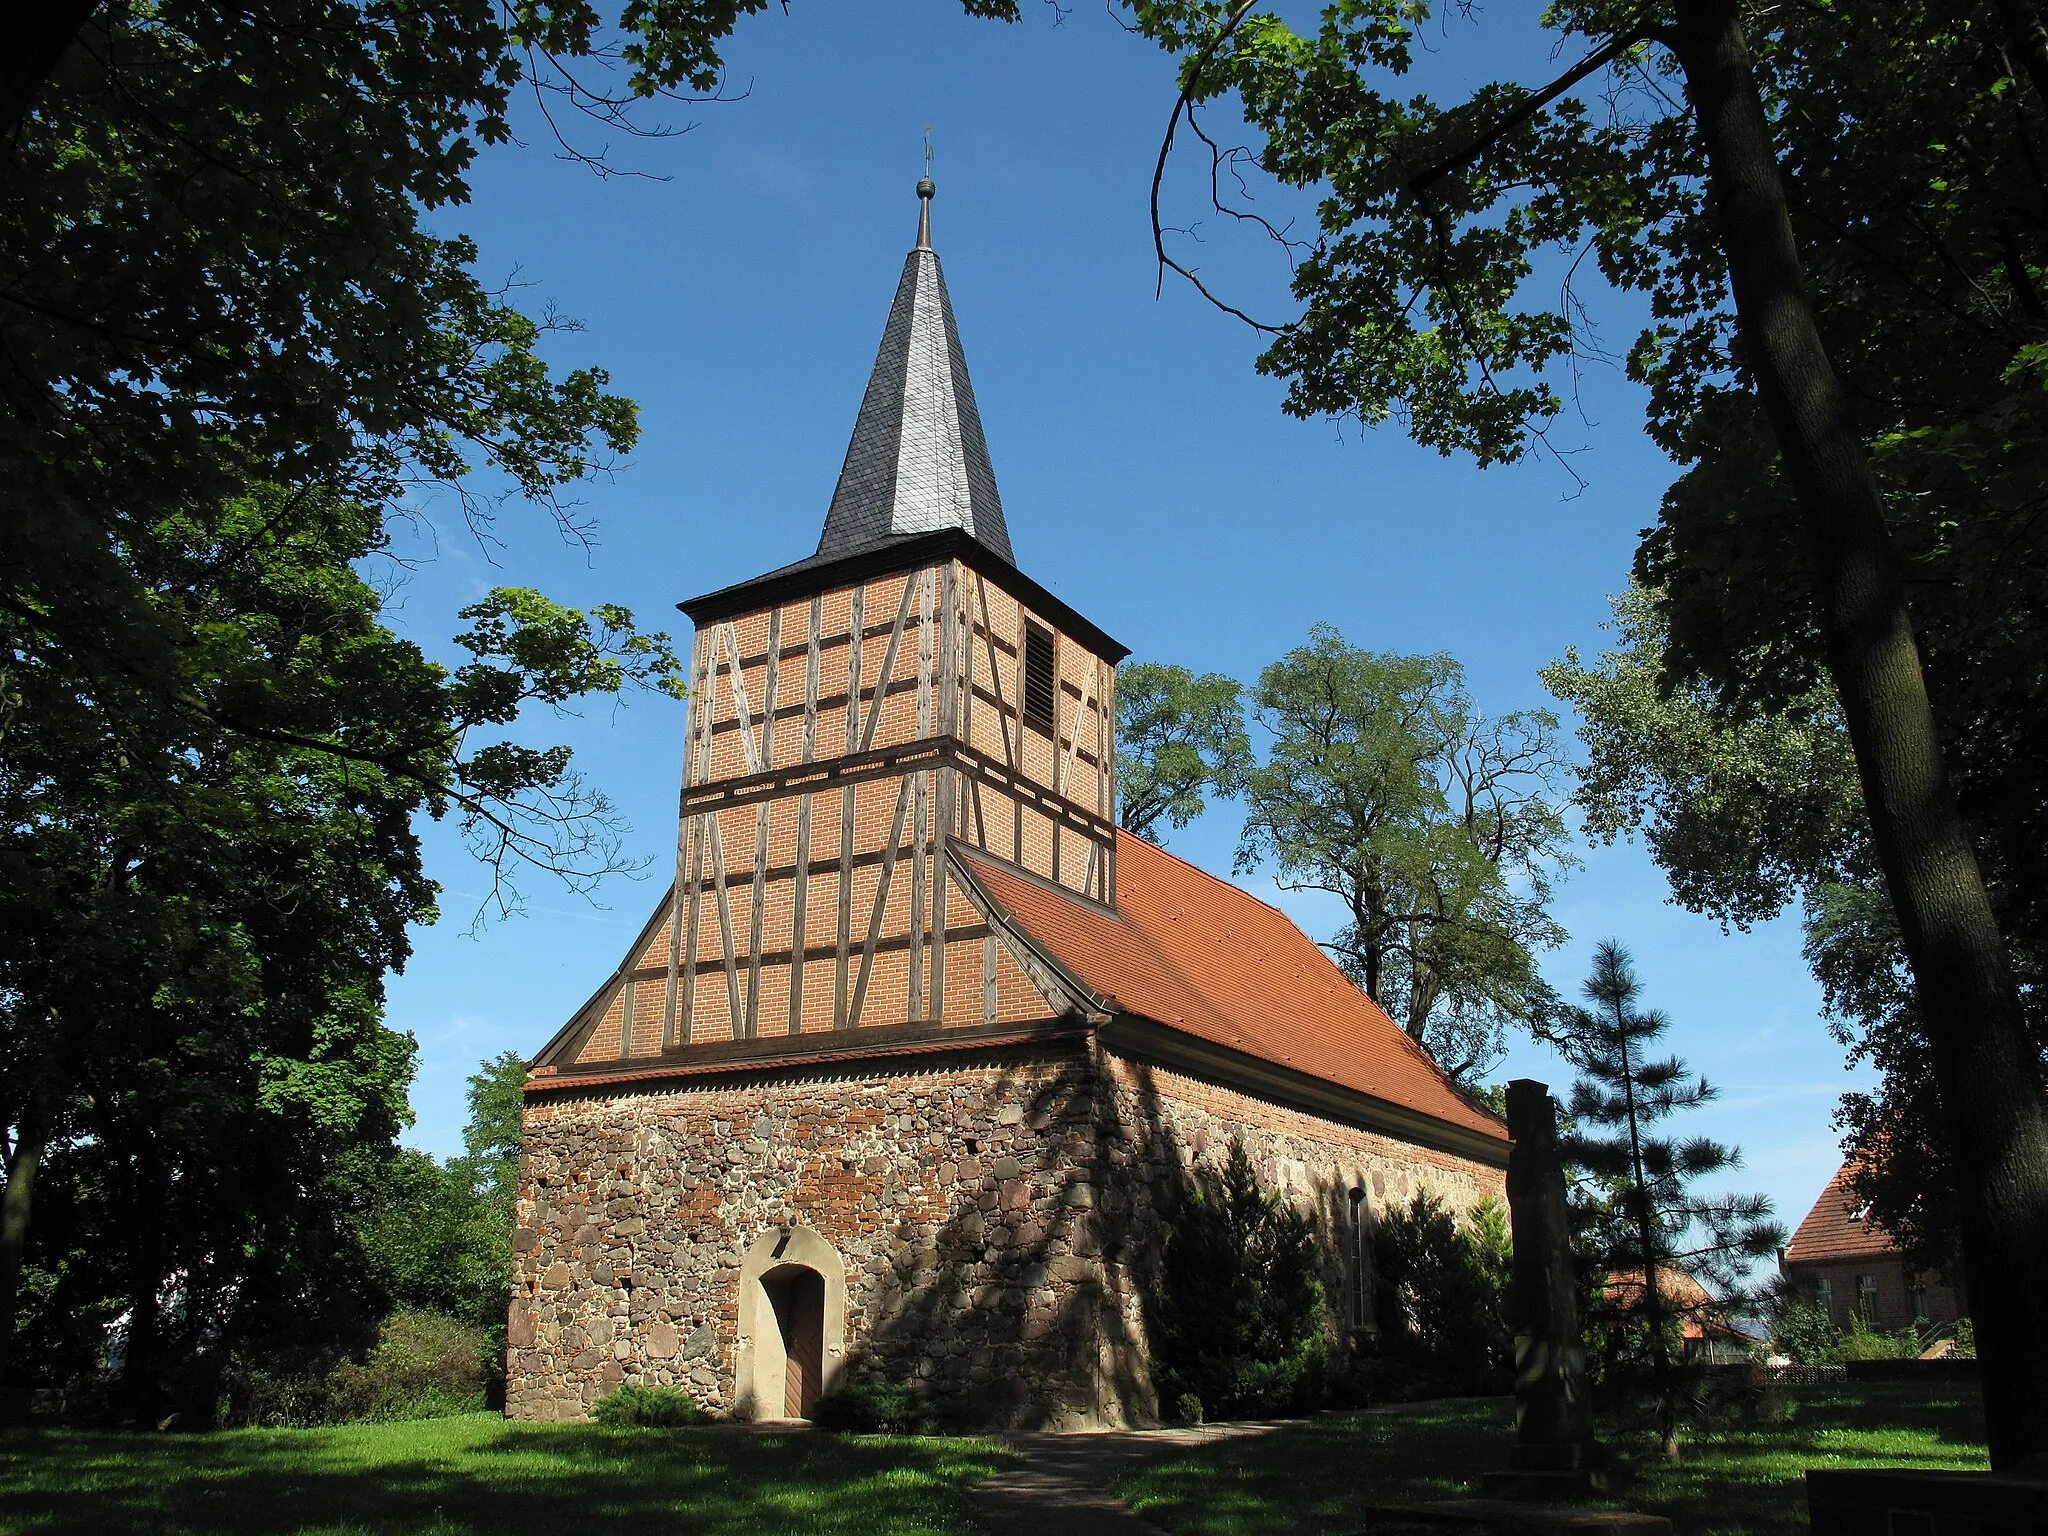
1181	105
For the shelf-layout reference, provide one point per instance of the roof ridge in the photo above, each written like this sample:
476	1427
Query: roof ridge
1413	1045
1207	874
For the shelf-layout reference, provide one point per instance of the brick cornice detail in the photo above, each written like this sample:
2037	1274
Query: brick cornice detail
773	1053
1141	1039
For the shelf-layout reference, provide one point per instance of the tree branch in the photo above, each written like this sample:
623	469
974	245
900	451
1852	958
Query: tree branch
1182	103
1529	106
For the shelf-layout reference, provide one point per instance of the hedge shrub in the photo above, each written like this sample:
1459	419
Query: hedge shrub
648	1408
877	1408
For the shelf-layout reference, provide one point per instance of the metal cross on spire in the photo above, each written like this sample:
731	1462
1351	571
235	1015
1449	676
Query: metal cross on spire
926	191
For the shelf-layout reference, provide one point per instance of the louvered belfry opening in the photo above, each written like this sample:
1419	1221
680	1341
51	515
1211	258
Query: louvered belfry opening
1041	684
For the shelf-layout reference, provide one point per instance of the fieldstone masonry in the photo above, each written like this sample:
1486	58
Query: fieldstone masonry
998	1218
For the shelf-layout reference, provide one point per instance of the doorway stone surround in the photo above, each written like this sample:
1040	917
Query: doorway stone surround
762	1365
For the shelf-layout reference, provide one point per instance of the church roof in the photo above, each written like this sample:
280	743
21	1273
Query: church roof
1203	958
918	462
1838	1226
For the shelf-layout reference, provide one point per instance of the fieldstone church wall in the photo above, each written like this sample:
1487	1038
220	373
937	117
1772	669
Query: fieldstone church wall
997	1217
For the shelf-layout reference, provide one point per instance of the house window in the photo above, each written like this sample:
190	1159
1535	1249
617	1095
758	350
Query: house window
1824	1293
1866	1298
1919	1294
1040	687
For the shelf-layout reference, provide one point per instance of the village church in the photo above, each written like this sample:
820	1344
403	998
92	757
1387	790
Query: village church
904	1069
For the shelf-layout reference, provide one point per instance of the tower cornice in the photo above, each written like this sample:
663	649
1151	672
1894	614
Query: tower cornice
822	573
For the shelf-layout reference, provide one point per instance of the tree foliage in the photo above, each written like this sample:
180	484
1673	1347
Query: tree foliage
1838	218
1442	1291
1748	813
1437	827
1652	1227
1744	812
438	1237
207	879
1236	1319
1179	739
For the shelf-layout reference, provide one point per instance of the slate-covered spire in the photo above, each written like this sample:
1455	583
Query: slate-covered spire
917	462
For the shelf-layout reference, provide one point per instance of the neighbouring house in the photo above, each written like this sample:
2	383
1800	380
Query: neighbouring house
903	1070
1710	1336
1847	1263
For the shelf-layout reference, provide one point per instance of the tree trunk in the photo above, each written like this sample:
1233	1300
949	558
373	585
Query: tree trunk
30	49
141	1394
1646	1238
1987	1072
31	1140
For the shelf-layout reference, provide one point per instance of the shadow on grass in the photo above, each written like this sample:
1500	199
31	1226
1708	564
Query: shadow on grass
1753	1478
1323	1475
479	1474
1320	1475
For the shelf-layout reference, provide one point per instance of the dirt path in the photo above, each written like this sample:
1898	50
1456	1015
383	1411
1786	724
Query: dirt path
1062	1488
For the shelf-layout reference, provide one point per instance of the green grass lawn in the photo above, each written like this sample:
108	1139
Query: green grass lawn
1319	1476
451	1477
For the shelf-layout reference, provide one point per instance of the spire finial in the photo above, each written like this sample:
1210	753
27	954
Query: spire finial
926	191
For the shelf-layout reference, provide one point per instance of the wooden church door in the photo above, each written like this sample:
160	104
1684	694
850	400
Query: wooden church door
798	1297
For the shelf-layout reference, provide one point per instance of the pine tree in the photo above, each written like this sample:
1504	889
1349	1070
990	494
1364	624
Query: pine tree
1653	1224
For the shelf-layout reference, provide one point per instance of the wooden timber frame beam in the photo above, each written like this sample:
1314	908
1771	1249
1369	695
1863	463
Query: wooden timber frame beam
774	1057
887	762
754	738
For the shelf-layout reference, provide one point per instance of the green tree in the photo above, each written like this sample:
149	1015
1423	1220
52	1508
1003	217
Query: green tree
1434	825
1237	1316
1750	812
1654	1224
199	916
491	1138
1802	1331
1745	811
1179	738
1443	1290
438	1238
1833	213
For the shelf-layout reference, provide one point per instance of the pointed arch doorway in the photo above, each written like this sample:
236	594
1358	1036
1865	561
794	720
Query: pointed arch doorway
792	1323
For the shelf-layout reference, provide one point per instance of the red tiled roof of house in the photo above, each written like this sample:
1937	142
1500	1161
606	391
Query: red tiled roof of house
1193	952
1682	1293
1835	1228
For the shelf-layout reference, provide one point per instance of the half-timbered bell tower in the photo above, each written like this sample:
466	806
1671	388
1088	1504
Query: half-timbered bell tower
856	715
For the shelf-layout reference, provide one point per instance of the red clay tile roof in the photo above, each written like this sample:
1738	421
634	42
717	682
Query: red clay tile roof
1831	1230
1188	950
1694	1303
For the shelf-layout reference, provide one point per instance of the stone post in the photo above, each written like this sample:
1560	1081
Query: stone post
1554	1446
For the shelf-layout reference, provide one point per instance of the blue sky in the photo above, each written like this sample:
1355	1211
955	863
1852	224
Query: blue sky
1147	473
